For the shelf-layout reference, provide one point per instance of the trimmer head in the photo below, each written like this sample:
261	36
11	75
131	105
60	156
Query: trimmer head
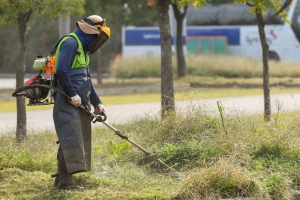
148	159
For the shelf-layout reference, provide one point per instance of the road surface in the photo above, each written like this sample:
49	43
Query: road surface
41	121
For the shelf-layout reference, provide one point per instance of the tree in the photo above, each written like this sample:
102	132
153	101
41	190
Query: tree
167	89
259	8
141	13
179	16
179	5
20	11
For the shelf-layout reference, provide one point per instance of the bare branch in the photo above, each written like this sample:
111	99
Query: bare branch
178	14
284	6
185	10
28	14
249	4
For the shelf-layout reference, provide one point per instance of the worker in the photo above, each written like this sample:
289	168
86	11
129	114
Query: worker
72	76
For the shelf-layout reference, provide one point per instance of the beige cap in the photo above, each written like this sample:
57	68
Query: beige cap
91	24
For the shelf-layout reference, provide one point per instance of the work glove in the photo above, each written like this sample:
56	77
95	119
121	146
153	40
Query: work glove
75	101
99	109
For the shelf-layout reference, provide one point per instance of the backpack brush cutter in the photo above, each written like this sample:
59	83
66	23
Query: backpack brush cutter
37	93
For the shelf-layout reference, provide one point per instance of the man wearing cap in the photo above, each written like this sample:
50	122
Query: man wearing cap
72	75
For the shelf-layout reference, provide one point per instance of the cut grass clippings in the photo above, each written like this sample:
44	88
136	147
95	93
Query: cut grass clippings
21	184
26	170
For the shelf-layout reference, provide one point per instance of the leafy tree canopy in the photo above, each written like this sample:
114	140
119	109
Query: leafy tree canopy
140	12
197	3
47	8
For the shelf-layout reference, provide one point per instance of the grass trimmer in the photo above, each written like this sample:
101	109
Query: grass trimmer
37	94
37	90
149	157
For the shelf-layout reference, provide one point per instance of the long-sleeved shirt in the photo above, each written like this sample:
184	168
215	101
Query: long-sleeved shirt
68	51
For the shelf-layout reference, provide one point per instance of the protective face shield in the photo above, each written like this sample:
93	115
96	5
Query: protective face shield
95	24
100	40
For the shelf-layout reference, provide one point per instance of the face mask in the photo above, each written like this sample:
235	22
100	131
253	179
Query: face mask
95	44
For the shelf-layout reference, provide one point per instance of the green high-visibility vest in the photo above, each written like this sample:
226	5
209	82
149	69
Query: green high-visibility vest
81	60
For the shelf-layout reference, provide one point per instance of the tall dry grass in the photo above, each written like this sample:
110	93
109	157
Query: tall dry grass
204	65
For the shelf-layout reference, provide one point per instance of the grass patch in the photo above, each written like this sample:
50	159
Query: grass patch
254	159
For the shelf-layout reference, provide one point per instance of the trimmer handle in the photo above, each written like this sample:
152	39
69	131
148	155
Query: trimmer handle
99	118
95	118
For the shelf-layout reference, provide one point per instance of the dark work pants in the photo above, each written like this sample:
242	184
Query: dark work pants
73	126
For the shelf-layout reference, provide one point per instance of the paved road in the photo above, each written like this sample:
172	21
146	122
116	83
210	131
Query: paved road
41	121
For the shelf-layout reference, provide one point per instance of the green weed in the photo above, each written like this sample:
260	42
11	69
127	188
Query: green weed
221	111
278	186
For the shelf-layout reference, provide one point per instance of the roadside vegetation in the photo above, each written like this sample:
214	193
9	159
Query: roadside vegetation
215	157
205	66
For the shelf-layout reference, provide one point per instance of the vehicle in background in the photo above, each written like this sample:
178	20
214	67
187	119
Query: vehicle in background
225	28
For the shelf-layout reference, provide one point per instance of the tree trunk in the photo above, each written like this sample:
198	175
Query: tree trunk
167	90
265	55
99	68
181	66
21	131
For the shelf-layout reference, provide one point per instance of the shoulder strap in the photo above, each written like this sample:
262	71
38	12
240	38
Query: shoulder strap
54	50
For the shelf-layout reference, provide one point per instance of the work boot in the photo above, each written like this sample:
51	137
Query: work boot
56	181
64	182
